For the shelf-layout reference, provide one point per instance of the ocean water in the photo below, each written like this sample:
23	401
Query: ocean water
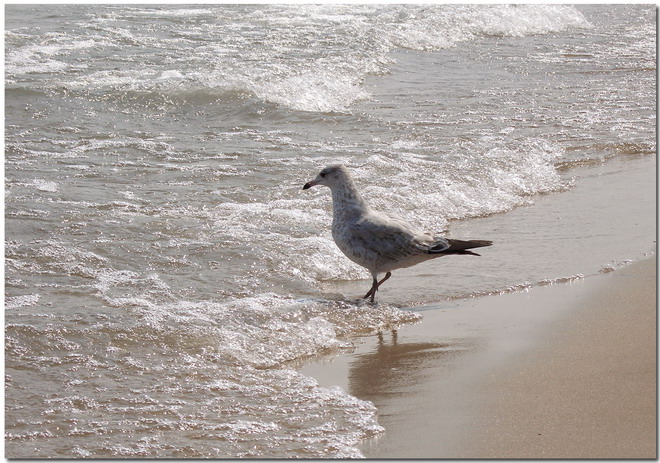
164	272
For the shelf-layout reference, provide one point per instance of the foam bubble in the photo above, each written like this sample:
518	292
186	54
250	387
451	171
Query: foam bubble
313	91
171	74
45	185
16	302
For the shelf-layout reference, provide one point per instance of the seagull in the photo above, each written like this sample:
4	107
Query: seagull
377	241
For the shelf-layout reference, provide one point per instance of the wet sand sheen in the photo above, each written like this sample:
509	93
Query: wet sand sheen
561	371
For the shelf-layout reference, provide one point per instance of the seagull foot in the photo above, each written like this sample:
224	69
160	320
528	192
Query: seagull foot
375	286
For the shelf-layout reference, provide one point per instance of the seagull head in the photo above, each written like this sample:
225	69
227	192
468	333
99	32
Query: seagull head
330	177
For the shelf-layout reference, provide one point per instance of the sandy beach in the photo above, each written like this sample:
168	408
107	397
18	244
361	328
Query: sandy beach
566	370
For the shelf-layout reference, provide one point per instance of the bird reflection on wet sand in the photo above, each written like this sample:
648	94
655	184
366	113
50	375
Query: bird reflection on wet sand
395	367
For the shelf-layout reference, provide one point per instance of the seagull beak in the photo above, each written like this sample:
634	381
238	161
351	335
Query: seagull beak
308	185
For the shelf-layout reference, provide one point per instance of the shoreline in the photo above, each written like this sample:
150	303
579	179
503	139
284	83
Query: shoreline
604	220
566	370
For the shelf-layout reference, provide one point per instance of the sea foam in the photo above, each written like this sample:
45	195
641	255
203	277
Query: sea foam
292	70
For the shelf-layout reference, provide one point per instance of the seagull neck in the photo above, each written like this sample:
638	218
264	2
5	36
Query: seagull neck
347	202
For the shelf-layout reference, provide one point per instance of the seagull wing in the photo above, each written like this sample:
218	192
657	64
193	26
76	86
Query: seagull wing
390	237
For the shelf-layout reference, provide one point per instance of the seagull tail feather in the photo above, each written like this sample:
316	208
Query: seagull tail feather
460	247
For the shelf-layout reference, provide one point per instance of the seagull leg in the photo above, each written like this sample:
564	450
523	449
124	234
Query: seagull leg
372	291
387	275
375	285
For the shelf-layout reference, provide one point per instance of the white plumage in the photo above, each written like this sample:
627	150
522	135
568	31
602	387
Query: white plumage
379	242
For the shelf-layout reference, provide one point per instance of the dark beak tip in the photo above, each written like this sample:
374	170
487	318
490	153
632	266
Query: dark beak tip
307	186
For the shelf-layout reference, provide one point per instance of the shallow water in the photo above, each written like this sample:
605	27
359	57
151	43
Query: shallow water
163	268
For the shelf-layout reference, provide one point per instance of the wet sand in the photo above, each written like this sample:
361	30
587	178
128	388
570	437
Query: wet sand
560	371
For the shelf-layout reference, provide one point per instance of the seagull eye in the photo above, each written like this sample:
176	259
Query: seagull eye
323	174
